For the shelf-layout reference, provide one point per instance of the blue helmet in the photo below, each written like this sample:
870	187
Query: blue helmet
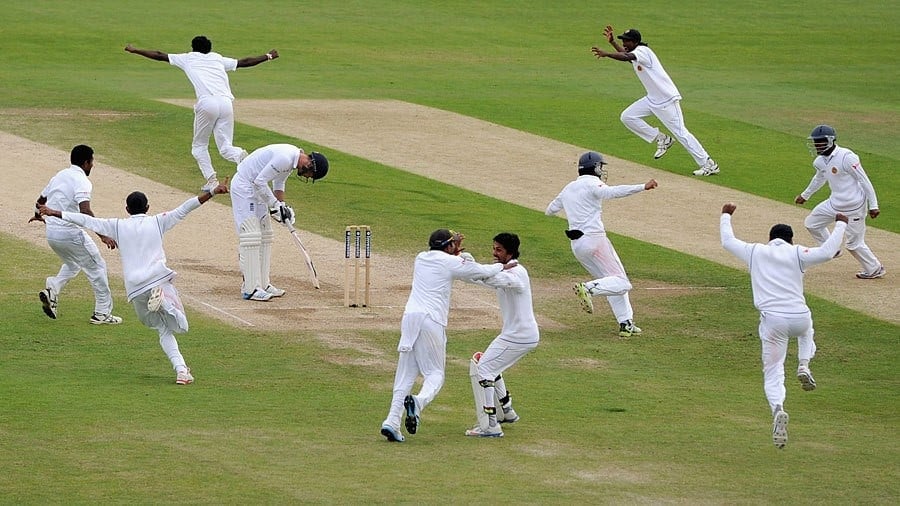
821	139
591	163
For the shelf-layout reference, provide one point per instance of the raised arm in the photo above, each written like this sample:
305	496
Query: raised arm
252	61
153	54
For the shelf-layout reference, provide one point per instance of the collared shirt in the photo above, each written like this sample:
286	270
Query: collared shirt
65	191
513	288
582	199
849	184
207	72
269	164
661	90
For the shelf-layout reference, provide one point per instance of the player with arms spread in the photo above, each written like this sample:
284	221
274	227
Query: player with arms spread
851	191
213	112
663	100
776	277
148	280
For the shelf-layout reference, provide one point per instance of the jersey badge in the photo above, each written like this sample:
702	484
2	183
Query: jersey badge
834	170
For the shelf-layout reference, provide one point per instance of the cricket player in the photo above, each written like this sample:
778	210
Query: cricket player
70	190
582	201
148	280
257	192
851	194
663	100
776	277
423	328
518	336
213	112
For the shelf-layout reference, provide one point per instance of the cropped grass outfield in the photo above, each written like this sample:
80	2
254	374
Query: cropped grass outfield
89	415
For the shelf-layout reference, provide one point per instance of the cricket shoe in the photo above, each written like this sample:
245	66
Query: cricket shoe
211	184
477	431
707	169
806	378
257	294
184	378
412	414
663	143
509	415
779	429
276	292
48	302
584	296
155	300
393	435
105	319
628	329
878	273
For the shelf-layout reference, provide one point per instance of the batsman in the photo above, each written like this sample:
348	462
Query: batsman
257	197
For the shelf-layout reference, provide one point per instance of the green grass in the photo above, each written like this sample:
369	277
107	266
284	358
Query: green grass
90	415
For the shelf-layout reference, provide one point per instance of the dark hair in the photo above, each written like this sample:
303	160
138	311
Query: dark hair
136	203
782	231
201	44
440	238
510	243
81	155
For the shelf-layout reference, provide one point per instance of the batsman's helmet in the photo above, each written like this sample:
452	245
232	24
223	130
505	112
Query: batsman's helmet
591	163
821	139
319	165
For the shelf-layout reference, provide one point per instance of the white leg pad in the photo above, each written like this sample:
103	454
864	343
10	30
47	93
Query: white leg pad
265	250
249	242
478	394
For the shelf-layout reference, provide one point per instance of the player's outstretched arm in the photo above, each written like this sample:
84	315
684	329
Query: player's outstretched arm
148	53
252	61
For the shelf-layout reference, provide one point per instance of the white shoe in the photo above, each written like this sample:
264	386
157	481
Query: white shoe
211	183
806	378
663	144
276	292
105	319
779	429
391	433
879	273
628	329
509	415
258	294
477	431
48	301
184	378
584	296
155	300
707	169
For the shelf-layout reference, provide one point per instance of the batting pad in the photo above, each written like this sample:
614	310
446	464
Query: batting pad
249	246
478	394
265	250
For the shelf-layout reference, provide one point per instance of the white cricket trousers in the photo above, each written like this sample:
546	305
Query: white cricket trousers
427	357
670	115
597	255
214	116
79	253
823	215
168	321
775	330
500	355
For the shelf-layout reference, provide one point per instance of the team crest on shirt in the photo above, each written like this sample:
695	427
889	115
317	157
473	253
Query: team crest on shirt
834	170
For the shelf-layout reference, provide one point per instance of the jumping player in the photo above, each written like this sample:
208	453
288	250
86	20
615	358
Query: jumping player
851	191
582	201
519	335
213	112
70	190
776	277
148	280
258	191
663	100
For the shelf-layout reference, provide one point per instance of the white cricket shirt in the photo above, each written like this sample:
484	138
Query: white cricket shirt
433	275
514	297
140	240
207	72
660	88
583	199
776	268
65	191
849	184
269	164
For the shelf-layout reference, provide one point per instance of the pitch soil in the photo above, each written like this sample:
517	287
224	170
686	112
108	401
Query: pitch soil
204	252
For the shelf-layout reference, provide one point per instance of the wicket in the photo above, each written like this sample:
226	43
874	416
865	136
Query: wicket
356	231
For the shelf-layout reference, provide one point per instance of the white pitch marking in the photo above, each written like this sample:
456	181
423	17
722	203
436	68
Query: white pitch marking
214	308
